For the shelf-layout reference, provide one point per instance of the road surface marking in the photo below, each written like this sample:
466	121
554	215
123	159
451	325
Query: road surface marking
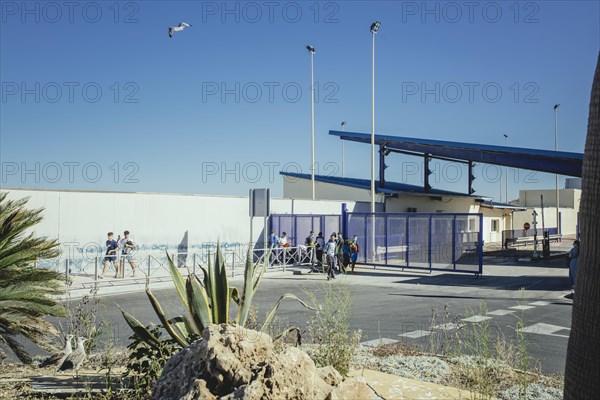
544	329
448	326
522	307
415	334
540	303
476	318
378	342
501	312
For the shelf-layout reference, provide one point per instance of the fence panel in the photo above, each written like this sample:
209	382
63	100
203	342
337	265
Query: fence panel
434	241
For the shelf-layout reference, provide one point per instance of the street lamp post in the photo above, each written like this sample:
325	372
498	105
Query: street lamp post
374	28
506	172
343	125
311	51
558	227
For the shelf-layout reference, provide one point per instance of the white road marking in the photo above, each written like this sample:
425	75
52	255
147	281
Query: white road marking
448	326
544	329
476	318
540	303
415	334
378	342
501	312
522	307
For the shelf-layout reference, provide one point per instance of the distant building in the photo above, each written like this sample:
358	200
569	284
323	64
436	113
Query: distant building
400	197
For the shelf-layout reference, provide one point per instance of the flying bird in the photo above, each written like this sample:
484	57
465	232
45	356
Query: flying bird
59	357
180	27
74	360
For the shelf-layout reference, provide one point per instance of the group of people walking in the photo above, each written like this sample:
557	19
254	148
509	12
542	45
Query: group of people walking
117	252
338	253
333	256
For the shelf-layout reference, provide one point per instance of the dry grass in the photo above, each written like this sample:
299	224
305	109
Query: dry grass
397	349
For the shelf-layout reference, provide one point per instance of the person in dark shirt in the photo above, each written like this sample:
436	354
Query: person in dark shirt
111	254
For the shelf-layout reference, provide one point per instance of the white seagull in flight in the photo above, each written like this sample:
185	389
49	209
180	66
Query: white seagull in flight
180	27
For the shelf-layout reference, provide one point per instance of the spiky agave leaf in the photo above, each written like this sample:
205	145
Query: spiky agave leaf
178	280
271	313
220	290
164	321
199	303
140	330
247	291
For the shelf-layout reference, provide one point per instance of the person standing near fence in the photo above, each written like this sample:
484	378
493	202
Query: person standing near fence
111	254
354	252
330	248
126	245
320	247
339	252
573	257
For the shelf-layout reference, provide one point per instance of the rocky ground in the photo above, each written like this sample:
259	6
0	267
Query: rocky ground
223	365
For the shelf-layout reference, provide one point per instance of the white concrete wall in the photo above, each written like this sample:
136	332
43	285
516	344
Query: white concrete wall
427	204
156	219
569	198
297	188
568	219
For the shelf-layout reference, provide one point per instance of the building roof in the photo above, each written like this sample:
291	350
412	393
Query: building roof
501	206
555	162
390	187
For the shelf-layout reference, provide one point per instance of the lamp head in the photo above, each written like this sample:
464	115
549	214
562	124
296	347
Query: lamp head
343	124
310	49
375	26
556	106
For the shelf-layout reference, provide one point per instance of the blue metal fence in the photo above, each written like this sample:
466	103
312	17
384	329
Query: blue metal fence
298	226
431	241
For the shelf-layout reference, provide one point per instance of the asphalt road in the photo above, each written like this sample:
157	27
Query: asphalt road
395	304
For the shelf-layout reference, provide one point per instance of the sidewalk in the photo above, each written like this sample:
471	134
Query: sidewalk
395	387
542	279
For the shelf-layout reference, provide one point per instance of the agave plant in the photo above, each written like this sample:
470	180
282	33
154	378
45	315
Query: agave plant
207	301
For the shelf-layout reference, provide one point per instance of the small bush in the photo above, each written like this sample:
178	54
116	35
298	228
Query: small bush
329	328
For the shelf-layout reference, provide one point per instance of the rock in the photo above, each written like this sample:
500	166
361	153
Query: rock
232	363
224	359
290	375
352	389
330	375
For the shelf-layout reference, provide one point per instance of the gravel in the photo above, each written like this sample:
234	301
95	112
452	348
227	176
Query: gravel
534	392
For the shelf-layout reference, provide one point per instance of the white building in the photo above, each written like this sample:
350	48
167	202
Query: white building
399	197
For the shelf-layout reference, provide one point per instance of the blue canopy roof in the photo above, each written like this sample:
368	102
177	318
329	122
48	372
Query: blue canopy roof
554	162
390	187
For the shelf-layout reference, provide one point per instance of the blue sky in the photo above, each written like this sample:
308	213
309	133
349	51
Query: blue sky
99	97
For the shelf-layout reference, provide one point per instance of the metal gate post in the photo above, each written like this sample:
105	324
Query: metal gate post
385	219
454	242
96	273
407	240
148	274
480	247
430	234
366	240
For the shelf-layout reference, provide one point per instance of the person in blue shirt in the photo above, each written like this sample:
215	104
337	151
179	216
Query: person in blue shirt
111	254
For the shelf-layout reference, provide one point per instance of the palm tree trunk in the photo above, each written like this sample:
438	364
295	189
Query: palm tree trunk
582	373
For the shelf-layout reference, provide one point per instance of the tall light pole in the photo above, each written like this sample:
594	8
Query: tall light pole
311	51
556	175
506	171
374	28
343	125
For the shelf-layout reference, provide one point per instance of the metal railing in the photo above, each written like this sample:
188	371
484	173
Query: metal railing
153	267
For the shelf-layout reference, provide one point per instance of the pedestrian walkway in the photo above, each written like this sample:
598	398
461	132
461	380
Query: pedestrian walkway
395	387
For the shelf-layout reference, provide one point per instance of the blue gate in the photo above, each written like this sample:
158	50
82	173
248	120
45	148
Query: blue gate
298	226
432	241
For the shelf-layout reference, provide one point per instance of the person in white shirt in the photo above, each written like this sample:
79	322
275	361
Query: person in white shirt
330	253
126	245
